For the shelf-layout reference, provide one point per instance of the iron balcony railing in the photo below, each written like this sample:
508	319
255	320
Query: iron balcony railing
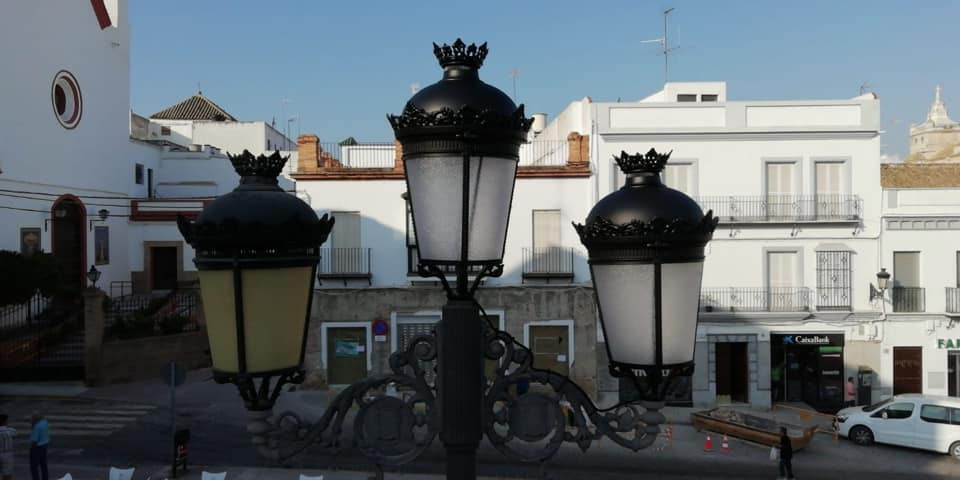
544	153
784	208
908	299
547	262
953	300
23	314
341	262
755	299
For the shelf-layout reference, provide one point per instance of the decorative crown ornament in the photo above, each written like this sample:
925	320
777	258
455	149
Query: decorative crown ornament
651	162
248	165
460	54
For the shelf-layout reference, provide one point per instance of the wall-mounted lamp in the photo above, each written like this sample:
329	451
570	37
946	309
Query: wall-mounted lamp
58	213
883	281
103	213
93	275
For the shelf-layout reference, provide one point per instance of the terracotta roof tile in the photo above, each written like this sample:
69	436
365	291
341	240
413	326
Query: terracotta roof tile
196	107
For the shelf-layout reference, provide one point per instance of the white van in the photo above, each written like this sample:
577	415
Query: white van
930	422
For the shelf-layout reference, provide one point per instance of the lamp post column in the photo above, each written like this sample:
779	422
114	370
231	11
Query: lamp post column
460	386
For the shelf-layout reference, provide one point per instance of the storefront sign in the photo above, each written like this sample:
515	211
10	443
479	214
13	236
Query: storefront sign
948	343
812	339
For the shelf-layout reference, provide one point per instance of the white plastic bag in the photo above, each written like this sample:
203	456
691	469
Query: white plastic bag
774	454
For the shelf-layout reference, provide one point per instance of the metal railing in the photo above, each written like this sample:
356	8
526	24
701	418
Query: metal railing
784	208
755	299
360	155
953	300
908	299
544	153
344	261
548	261
121	288
23	314
137	315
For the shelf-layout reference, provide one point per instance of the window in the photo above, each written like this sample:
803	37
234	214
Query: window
138	174
546	228
896	411
708	97
958	269
935	414
687	97
682	177
165	131
907	294
783	280
345	253
834	280
781	185
150	191
268	144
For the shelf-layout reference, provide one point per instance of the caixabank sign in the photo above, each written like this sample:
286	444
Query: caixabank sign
808	339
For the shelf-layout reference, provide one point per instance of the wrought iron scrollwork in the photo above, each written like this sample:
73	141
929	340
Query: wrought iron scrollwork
531	426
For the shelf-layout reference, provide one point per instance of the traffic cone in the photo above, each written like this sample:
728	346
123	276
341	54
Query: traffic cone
708	444
724	445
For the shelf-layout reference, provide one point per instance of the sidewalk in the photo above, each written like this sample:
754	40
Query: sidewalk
241	473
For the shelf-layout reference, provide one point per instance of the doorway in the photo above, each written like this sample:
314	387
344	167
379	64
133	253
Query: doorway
551	346
346	355
907	370
732	372
163	267
953	373
69	244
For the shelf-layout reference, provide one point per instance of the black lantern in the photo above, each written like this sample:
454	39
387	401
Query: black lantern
93	275
883	279
461	140
257	250
646	250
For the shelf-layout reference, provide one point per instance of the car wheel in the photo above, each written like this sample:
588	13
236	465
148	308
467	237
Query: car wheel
955	450
861	435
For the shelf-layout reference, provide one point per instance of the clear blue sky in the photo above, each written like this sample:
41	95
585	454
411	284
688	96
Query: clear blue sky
344	65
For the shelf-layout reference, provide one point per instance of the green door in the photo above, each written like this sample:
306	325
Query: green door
346	355
550	348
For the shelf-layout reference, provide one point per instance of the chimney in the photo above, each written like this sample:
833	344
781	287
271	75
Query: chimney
308	152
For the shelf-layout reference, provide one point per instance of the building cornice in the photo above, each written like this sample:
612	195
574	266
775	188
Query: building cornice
648	135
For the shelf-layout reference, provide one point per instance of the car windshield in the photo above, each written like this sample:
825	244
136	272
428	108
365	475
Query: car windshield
877	405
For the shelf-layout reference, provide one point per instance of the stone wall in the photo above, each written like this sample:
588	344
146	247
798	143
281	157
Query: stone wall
520	306
145	358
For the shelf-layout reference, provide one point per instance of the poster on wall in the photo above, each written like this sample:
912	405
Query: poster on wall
101	245
29	241
347	348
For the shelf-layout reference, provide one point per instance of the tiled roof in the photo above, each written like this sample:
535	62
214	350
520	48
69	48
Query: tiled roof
196	107
920	175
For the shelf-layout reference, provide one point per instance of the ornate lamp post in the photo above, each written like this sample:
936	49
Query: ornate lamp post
461	142
646	246
93	275
257	249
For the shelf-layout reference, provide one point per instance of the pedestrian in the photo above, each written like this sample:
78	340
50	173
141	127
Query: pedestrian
6	449
786	454
776	377
39	440
850	395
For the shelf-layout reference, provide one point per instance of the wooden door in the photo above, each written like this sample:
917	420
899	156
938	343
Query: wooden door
346	355
163	262
907	370
550	345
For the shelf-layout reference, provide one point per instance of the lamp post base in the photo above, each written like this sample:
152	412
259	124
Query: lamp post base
460	386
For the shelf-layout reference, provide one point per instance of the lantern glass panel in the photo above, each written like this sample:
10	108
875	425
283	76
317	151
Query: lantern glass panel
436	195
680	292
625	294
275	304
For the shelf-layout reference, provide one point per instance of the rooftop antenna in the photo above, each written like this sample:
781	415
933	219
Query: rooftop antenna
665	45
865	87
283	115
515	73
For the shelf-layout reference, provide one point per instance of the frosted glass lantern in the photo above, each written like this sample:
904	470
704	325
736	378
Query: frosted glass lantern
646	250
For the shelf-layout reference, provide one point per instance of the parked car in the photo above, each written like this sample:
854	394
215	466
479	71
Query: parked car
930	422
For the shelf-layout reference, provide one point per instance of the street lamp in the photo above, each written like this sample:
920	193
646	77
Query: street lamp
646	250
257	250
103	213
883	281
460	140
93	275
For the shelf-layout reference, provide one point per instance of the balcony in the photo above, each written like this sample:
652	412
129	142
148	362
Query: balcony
755	299
953	300
548	263
784	208
908	299
344	264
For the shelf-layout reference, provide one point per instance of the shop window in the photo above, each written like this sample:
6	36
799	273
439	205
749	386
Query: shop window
687	97
834	274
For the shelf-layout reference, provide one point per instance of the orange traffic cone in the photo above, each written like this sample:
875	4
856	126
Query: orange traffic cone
708	444
724	445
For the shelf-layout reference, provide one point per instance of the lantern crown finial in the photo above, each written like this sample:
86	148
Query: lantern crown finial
460	54
248	165
651	162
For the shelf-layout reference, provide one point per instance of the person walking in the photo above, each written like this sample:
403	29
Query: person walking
39	440
6	448
850	395
786	455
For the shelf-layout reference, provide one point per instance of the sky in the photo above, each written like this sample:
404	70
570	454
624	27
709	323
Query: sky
340	67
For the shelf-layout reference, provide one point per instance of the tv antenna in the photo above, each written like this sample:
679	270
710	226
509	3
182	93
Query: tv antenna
665	45
865	87
515	73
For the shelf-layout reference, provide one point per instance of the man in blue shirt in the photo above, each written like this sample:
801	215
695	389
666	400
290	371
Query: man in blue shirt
39	439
